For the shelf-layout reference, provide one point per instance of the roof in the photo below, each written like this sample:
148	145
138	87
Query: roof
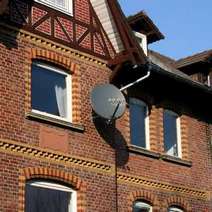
141	22
106	18
196	58
119	32
166	64
163	58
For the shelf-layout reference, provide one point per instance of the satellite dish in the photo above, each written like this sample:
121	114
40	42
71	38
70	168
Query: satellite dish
108	101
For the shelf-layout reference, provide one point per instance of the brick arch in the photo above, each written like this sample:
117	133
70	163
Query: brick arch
54	57
143	195
65	62
177	201
52	174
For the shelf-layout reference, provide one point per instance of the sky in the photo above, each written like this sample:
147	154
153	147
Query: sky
186	24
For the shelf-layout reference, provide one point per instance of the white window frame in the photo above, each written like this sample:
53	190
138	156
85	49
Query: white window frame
174	209
209	80
178	132
143	42
68	92
56	186
143	205
68	10
147	138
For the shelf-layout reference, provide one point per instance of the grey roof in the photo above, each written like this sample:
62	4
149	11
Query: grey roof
157	60
168	69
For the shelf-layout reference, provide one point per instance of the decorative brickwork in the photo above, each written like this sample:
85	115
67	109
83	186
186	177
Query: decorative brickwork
53	174
145	196
176	201
184	137
160	130
153	129
39	153
123	178
51	45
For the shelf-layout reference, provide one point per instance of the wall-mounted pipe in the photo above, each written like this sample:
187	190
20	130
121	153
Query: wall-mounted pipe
137	81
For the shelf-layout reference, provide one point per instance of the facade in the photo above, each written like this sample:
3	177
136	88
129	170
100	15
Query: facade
56	154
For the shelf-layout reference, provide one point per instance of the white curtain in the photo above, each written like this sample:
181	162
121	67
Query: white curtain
61	3
61	100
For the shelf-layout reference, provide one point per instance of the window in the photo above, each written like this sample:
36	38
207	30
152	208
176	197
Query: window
139	123
140	206
171	126
50	91
44	196
62	5
174	209
142	40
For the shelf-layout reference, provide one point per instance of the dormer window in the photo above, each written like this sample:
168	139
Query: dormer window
142	40
209	79
62	5
205	78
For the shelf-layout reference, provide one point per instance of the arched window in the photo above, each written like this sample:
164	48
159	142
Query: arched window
172	137
51	91
141	206
46	196
175	209
139	123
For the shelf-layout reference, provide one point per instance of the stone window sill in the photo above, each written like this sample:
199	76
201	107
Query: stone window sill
159	156
176	160
145	152
54	121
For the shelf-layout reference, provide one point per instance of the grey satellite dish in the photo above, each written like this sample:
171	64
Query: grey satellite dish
108	101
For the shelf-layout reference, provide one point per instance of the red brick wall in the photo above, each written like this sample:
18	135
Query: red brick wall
139	176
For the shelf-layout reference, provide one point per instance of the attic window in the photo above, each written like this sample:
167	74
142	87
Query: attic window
61	5
142	40
205	78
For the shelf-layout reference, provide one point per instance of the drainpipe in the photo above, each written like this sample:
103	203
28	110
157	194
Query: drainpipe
138	80
122	89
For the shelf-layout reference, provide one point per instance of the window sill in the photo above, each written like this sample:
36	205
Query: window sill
54	121
142	151
176	160
164	157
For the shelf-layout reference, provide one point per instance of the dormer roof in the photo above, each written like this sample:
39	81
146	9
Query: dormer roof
202	57
142	23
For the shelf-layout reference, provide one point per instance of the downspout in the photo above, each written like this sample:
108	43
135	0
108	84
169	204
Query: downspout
138	80
135	82
116	156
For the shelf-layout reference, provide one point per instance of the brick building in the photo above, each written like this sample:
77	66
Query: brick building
57	155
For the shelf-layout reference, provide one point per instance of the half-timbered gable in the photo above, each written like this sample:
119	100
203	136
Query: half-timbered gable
78	28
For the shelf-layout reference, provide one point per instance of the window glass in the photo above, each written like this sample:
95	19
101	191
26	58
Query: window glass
170	133
138	122
44	197
64	5
49	90
140	206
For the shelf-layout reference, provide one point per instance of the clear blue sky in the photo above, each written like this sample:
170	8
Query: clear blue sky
186	24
